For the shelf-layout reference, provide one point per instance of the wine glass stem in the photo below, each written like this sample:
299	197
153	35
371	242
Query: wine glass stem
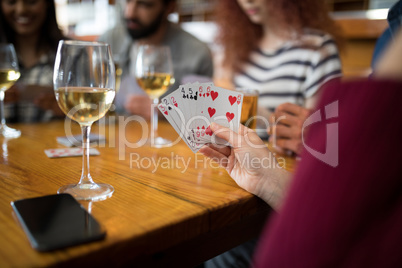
154	119
3	121
85	176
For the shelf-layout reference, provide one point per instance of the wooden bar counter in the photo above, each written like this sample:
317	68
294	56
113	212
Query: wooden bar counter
170	208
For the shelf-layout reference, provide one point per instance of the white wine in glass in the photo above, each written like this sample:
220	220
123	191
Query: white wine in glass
9	74
84	85
154	74
154	84
84	104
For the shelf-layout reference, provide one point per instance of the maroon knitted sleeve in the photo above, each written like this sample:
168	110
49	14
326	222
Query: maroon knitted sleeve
344	207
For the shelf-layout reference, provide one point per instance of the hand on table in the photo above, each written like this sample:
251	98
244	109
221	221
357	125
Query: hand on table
246	162
139	105
11	95
287	127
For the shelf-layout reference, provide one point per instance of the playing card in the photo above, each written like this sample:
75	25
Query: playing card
195	93
170	114
174	109
189	95
68	152
176	106
221	106
185	101
191	109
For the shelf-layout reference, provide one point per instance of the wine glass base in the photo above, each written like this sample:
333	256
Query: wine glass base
9	132
89	192
160	142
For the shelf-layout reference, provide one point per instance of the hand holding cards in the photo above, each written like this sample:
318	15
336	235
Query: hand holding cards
191	108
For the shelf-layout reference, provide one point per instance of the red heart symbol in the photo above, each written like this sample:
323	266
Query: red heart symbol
207	94
166	112
211	111
229	116
200	94
232	99
203	127
208	131
203	95
175	104
214	95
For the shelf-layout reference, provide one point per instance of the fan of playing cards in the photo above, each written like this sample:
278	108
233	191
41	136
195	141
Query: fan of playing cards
191	108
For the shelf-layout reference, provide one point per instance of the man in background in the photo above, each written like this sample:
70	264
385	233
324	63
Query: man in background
146	22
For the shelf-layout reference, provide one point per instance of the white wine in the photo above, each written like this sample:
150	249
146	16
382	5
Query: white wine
85	104
7	78
119	72
155	84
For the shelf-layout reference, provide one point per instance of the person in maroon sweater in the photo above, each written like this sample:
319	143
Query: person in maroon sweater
349	215
343	207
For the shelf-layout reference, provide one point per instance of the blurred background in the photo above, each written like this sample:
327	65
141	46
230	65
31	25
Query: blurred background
361	21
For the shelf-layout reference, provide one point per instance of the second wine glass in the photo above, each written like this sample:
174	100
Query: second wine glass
154	74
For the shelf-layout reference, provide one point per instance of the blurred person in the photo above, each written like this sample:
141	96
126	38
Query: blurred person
32	28
146	22
287	133
285	49
286	127
338	215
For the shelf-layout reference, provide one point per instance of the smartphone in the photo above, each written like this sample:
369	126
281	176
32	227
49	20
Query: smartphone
56	221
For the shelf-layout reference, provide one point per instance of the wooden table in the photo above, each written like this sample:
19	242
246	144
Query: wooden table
163	215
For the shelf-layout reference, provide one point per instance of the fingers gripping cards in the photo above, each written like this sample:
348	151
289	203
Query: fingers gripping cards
191	108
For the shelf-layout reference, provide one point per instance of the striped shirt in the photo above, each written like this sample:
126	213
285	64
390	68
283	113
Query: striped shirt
293	72
40	74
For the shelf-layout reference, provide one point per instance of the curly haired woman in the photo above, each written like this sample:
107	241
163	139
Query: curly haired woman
286	49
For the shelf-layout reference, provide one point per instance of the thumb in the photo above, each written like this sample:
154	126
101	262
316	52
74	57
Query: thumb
226	133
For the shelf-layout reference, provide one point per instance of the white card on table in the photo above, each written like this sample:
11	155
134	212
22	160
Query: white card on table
68	152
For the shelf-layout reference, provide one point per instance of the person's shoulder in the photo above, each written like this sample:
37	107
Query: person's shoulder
316	39
189	41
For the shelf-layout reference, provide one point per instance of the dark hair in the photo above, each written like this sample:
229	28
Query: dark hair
239	36
50	34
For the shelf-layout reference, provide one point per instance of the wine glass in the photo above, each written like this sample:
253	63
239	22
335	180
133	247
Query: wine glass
9	74
154	74
84	85
111	115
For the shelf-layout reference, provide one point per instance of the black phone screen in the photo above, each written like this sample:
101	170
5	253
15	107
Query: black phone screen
56	221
